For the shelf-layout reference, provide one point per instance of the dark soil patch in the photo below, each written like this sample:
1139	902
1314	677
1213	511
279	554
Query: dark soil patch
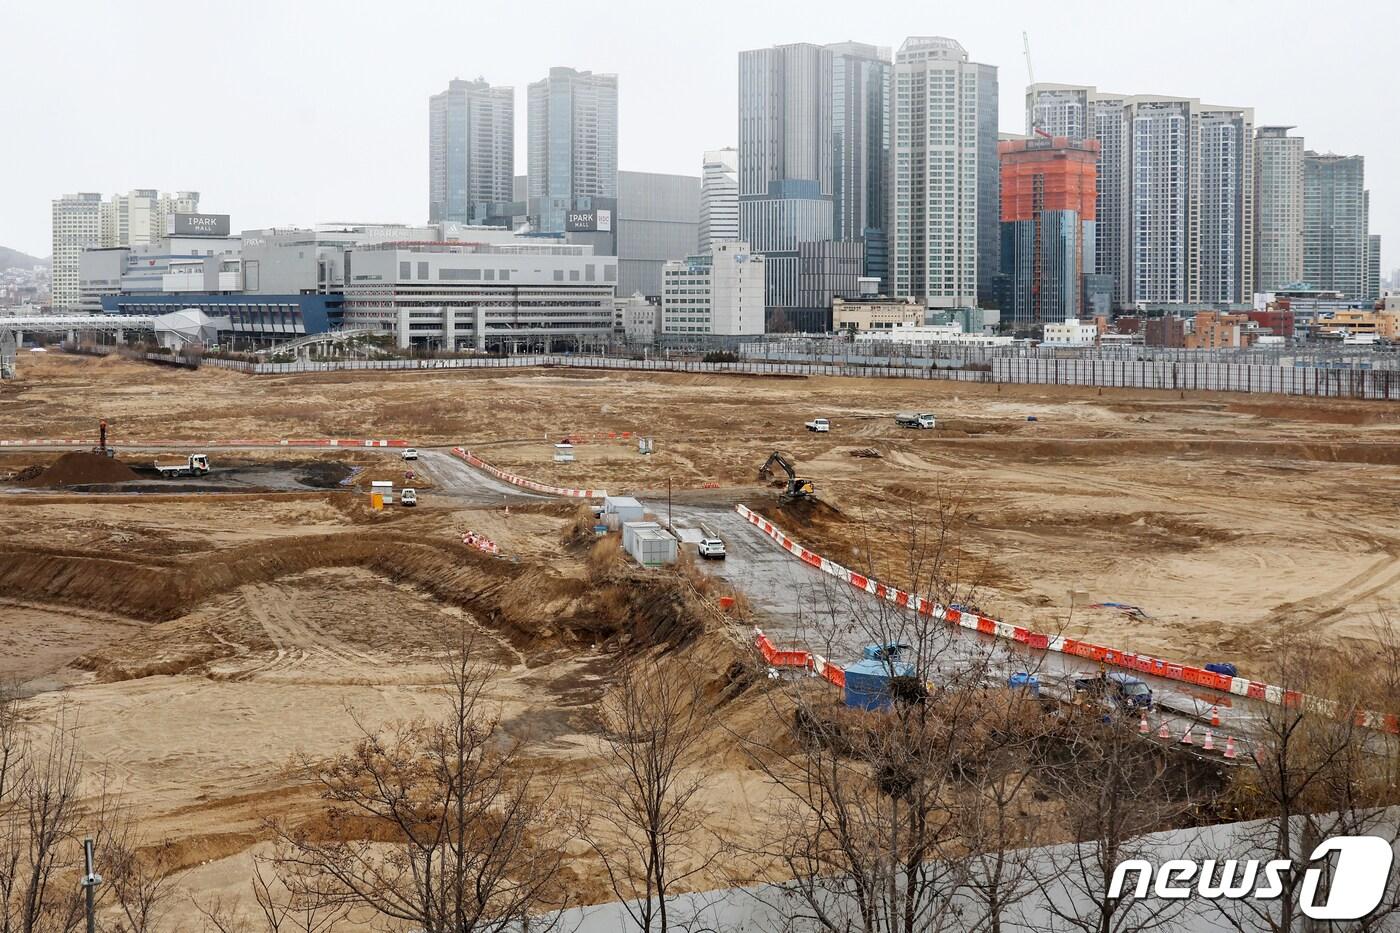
80	468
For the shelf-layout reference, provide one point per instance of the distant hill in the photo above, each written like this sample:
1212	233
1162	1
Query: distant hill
13	258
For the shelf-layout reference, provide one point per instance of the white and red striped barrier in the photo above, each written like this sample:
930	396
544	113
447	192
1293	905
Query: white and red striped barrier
524	483
1170	670
242	442
587	437
480	542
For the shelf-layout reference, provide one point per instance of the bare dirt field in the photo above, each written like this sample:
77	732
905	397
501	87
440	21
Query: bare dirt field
204	639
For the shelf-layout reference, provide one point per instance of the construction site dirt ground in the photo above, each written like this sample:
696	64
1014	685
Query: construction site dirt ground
202	640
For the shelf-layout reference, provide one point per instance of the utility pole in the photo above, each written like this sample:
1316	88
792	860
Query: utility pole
91	880
668	505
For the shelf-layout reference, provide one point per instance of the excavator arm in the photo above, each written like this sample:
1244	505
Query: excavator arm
766	471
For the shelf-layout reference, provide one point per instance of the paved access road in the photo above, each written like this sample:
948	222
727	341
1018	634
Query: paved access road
452	477
802	607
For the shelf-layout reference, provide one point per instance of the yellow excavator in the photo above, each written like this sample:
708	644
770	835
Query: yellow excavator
796	487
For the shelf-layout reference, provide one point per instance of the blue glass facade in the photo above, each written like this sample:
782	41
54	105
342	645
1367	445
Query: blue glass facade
257	317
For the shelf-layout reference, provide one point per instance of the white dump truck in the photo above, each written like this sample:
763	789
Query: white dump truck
193	465
915	419
819	425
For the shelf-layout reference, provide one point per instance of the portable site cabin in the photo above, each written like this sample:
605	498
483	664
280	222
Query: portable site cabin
619	510
868	680
649	544
625	508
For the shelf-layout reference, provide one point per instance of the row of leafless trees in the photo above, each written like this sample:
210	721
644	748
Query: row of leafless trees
964	805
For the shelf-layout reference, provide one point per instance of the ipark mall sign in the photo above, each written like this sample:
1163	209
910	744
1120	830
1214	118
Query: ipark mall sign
199	225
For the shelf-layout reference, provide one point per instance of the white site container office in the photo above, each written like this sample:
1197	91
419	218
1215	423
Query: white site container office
625	508
649	544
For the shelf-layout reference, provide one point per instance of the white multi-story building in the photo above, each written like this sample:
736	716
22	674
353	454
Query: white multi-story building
572	151
719	293
719	198
482	296
1175	206
1278	208
141	217
945	173
77	225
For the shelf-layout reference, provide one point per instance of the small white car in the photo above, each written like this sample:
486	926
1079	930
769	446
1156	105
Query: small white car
711	548
410	453
408	498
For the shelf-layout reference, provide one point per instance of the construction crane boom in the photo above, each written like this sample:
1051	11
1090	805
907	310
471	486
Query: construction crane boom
1026	44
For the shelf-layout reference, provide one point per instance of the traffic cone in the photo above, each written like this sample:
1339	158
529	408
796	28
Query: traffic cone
1164	732
1143	727
1186	737
1215	716
1230	747
1209	744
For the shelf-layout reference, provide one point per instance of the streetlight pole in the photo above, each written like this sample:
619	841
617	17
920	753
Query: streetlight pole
91	880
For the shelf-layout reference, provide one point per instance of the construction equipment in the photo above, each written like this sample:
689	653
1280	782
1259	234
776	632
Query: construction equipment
102	450
796	488
193	465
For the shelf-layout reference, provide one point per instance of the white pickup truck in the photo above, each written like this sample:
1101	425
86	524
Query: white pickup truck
915	419
819	425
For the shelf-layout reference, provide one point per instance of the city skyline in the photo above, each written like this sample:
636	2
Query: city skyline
379	177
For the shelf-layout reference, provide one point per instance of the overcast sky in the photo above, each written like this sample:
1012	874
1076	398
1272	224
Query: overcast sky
293	112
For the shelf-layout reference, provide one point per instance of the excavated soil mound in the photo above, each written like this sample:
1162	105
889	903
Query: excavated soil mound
80	468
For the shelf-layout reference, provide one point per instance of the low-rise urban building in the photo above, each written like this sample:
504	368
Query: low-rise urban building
874	313
482	296
1378	325
1071	333
719	293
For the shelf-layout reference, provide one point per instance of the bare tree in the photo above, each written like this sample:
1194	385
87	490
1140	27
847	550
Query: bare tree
1320	770
441	824
307	905
141	879
874	831
40	818
1114	788
645	815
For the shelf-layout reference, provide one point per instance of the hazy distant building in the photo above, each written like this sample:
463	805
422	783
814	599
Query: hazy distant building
471	151
1278	208
1373	267
945	239
1335	223
1176	191
77	225
861	88
719	198
572	144
657	220
1047	229
785	150
141	217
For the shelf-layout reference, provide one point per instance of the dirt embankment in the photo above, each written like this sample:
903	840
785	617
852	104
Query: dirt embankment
81	468
536	608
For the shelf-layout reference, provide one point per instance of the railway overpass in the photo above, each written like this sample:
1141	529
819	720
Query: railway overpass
176	329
